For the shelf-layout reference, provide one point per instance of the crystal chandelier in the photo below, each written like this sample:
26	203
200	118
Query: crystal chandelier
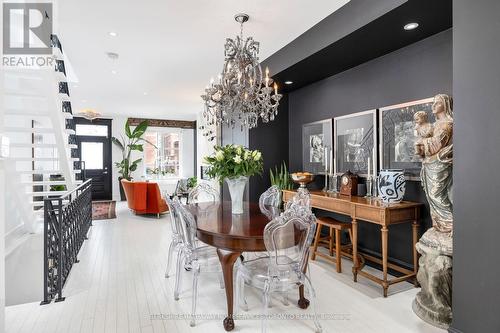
241	93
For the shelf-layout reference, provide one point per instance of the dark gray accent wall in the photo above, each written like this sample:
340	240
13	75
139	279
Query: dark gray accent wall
272	140
418	71
476	88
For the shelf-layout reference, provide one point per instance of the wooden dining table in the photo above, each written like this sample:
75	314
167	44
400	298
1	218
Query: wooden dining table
233	234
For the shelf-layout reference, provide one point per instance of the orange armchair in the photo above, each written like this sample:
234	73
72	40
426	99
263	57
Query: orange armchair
144	197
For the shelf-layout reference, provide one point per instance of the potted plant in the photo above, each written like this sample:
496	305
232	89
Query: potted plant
192	182
234	163
133	141
281	177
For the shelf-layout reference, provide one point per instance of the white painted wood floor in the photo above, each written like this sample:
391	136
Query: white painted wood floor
119	286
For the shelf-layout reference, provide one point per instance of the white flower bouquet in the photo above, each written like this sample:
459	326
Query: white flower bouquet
232	161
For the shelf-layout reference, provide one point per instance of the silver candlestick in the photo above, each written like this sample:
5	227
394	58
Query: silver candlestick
369	185
333	183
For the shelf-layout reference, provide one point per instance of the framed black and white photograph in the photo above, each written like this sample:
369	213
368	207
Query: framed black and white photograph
356	142
203	173
400	127
315	138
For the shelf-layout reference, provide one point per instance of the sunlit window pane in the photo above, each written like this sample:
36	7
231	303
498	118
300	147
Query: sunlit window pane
165	160
91	130
92	154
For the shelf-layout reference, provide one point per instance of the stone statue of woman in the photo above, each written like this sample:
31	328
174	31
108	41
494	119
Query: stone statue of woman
433	302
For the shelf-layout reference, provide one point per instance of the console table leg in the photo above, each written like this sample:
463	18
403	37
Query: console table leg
227	260
385	233
355	250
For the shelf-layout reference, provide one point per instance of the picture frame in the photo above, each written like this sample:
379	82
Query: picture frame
397	136
203	172
315	137
355	140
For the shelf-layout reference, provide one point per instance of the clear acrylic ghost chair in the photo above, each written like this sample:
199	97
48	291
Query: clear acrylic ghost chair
176	241
301	198
202	258
203	192
270	198
287	239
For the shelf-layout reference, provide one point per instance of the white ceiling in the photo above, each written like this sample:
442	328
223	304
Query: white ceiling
168	49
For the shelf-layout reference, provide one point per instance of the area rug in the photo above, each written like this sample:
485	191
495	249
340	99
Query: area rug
103	210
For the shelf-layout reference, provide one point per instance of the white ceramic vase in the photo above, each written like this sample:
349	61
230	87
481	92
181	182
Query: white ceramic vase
391	185
236	187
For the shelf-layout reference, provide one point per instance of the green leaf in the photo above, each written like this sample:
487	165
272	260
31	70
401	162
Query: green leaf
117	143
149	142
140	129
136	147
127	129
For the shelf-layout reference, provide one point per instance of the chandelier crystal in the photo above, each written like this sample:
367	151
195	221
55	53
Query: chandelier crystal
241	94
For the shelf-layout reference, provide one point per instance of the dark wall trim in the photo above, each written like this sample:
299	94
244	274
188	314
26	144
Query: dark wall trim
163	123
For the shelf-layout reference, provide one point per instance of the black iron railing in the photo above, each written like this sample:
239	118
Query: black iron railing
66	224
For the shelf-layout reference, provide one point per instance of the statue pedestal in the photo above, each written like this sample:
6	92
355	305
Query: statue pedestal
433	302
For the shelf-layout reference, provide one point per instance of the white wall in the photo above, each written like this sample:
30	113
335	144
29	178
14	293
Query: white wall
2	214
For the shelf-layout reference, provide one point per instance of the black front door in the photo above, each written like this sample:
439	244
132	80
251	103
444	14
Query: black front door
94	146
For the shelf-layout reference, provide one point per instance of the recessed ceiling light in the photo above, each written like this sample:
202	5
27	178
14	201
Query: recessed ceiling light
288	82
145	93
411	26
113	72
113	34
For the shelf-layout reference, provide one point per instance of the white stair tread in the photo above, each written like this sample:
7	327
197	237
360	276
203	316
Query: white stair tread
73	146
70	131
34	145
26	112
39	203
25	94
49	182
29	129
57	172
46	193
44	182
40	159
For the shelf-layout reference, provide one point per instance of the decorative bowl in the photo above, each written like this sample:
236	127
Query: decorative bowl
302	178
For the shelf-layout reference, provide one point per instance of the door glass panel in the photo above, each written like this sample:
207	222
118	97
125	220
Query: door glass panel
92	154
92	130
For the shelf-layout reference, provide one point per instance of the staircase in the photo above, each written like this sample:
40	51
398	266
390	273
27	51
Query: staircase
43	156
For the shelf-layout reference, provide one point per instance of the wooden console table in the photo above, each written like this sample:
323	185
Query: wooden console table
371	211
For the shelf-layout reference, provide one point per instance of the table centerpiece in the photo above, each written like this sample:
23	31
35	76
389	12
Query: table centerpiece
234	164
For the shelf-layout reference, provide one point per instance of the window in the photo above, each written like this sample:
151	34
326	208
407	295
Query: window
92	130
164	161
92	154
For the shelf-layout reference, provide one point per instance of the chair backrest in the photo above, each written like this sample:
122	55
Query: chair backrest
174	216
271	197
302	198
182	186
288	238
203	192
187	227
136	194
